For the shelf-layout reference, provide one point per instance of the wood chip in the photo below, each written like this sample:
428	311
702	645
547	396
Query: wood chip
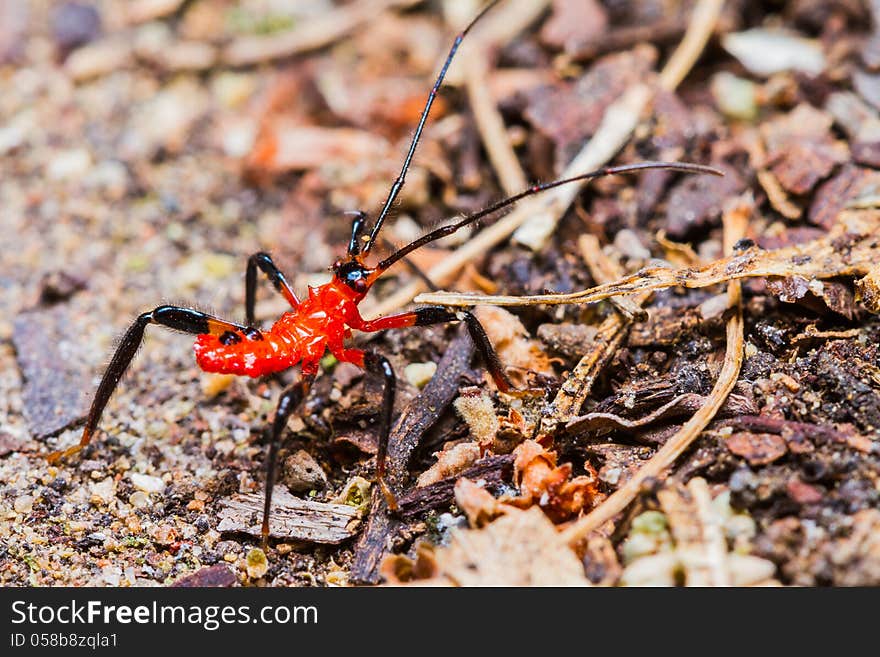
53	390
292	518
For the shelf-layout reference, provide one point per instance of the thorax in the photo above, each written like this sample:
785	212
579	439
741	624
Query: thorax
324	312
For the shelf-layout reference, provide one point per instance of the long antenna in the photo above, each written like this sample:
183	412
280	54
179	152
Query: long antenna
401	179
443	231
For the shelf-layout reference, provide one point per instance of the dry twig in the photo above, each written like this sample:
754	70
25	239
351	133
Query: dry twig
850	249
418	417
311	35
491	127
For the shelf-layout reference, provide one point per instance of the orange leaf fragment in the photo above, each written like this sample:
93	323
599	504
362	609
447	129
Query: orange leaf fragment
550	486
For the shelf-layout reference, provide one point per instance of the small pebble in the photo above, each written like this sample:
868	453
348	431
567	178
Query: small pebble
139	500
74	24
23	504
104	491
164	535
110	177
147	483
257	564
98	58
233	89
735	97
69	165
303	473
418	374
195	505
112	575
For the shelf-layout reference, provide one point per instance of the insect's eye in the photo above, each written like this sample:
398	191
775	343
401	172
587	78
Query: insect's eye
360	285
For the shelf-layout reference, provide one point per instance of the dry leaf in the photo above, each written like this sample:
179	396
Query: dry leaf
476	502
550	486
521	548
512	342
452	460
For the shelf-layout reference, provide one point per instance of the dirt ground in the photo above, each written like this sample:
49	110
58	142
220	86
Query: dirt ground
148	148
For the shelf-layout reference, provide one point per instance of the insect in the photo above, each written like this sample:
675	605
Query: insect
324	319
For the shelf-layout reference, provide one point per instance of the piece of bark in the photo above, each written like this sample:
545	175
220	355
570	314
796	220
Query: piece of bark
53	372
217	575
847	187
492	470
291	518
801	149
698	200
418	417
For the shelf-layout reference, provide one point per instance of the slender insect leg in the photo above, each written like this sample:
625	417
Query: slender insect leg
440	315
288	402
264	262
378	365
173	317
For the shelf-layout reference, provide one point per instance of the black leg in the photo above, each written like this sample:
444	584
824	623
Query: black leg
440	315
263	261
288	402
173	317
378	365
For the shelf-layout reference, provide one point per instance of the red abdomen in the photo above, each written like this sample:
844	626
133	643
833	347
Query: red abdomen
273	353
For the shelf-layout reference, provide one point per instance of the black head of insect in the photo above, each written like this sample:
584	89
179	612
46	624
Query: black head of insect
351	271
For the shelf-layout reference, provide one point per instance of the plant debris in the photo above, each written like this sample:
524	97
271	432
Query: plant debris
521	548
292	518
661	432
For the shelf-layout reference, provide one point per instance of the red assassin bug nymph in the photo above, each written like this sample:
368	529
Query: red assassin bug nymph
324	319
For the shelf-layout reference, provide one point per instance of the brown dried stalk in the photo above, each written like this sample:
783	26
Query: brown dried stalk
604	270
491	127
851	248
